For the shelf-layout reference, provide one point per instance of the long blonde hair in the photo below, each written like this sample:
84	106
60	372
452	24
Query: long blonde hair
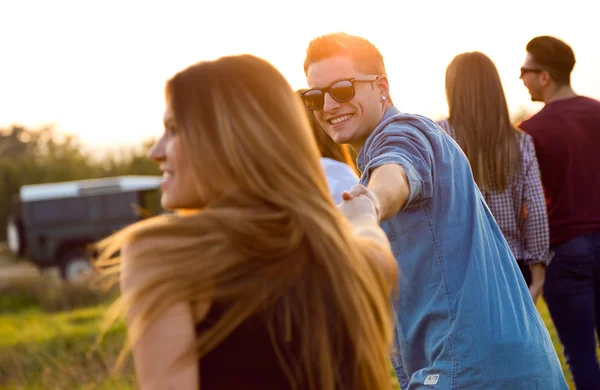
268	234
478	113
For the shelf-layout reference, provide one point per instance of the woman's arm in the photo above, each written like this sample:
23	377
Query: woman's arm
537	234
361	214
538	278
165	339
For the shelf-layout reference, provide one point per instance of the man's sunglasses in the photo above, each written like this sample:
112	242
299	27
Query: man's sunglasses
529	70
340	90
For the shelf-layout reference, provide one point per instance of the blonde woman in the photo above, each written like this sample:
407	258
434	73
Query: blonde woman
262	283
502	159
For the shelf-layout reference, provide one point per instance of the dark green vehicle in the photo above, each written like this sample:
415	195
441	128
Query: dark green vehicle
52	224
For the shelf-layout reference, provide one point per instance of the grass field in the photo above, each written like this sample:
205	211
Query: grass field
46	335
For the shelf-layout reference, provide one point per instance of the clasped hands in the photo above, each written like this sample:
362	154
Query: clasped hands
359	203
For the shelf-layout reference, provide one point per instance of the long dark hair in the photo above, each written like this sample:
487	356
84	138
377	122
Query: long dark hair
478	113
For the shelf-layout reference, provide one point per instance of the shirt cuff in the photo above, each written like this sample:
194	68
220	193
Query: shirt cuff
545	258
415	184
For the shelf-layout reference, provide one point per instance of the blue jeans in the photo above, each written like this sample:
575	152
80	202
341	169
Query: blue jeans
572	292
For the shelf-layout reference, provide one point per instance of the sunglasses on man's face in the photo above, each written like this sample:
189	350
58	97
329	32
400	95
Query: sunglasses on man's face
525	70
340	90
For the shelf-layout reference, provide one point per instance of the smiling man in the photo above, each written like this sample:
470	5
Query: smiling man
465	318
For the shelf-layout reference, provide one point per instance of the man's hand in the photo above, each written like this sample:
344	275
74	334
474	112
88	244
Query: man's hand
357	192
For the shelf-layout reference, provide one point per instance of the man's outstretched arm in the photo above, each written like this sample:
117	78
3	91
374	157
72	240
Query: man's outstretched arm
388	188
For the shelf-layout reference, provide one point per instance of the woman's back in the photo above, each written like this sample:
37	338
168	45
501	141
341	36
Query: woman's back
270	348
520	208
247	358
502	159
244	359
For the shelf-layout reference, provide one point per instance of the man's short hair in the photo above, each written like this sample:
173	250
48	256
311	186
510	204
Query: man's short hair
367	58
553	56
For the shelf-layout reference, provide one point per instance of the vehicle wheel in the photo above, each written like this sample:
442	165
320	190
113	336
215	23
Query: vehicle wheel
76	267
15	237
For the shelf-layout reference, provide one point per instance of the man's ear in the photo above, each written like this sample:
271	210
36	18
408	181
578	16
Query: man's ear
383	86
545	78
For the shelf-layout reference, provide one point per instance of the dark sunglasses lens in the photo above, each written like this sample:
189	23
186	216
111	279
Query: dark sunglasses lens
313	99
342	91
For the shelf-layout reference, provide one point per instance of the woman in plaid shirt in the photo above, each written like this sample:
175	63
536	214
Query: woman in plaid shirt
502	160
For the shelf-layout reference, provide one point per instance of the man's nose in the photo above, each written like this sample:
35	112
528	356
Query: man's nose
329	103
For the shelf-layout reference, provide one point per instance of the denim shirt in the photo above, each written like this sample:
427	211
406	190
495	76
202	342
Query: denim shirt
465	318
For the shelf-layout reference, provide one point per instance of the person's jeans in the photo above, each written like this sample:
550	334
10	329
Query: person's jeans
572	293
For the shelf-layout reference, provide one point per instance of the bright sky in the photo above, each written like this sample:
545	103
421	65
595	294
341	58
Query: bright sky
97	69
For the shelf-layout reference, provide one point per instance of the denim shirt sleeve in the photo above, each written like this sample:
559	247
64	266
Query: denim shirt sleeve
405	145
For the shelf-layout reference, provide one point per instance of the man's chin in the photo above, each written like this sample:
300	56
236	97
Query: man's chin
340	138
535	98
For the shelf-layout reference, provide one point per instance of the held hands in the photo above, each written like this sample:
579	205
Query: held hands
360	202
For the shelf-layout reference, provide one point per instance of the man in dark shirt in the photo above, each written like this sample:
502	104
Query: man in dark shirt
566	134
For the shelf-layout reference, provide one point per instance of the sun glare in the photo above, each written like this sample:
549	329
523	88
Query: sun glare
98	71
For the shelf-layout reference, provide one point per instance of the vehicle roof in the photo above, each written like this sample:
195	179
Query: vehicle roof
72	189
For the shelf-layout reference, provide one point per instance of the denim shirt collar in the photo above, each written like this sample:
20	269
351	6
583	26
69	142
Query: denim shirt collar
361	158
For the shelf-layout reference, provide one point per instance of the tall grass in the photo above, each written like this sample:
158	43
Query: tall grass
47	331
54	351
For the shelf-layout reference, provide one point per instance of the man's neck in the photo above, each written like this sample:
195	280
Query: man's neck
356	145
359	143
560	93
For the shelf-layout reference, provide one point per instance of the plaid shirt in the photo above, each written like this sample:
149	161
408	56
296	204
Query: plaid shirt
520	210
